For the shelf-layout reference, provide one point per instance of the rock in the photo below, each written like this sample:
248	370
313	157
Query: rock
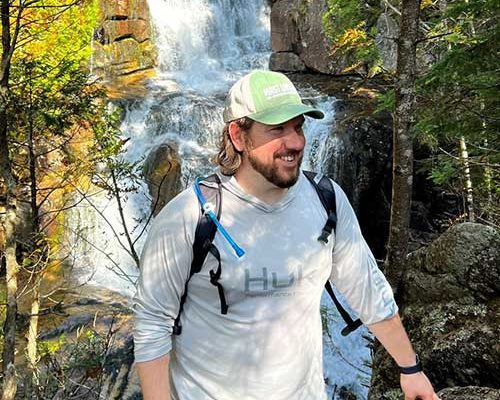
124	9
463	263
296	26
363	168
116	30
451	297
122	44
70	324
284	32
124	57
286	62
469	393
386	40
162	171
92	341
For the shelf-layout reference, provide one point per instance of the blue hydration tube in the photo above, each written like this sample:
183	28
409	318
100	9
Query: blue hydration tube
208	210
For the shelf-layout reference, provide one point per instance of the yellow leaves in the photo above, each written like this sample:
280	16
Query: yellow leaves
56	30
353	36
350	39
426	3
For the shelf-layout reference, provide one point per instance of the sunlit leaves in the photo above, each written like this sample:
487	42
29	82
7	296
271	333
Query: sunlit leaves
350	27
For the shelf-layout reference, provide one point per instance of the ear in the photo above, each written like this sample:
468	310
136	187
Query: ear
236	136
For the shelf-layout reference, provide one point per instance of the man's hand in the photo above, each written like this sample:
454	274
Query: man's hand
417	386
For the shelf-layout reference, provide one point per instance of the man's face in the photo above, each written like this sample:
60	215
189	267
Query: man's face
276	151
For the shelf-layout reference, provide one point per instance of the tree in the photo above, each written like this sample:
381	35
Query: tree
402	176
458	106
25	24
9	41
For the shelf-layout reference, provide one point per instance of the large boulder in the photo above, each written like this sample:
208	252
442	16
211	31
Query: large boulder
451	311
162	172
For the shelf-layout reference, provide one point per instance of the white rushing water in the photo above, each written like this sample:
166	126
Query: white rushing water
204	46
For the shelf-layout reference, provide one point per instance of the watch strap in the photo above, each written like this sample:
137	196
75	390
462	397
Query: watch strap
413	369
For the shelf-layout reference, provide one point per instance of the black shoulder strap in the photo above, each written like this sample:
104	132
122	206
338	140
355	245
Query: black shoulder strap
206	229
203	237
326	194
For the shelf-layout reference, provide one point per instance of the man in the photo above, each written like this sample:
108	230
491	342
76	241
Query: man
269	344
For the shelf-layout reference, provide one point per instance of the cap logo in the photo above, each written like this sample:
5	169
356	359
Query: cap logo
282	89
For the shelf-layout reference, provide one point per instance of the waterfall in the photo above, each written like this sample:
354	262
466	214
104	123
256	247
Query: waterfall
204	46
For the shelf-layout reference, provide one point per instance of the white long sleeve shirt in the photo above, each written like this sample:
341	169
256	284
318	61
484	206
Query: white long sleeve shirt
269	344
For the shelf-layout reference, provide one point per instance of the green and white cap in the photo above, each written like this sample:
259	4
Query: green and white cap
267	97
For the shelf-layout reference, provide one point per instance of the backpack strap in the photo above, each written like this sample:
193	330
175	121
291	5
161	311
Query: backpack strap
326	194
351	325
202	245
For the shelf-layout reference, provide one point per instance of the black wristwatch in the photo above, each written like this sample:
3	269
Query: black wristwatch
413	369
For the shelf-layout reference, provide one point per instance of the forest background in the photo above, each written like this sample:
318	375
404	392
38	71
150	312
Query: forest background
58	136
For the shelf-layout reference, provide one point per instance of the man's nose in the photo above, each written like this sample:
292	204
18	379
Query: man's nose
295	140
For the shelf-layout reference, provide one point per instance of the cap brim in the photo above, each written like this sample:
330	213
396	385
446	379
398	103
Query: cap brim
285	113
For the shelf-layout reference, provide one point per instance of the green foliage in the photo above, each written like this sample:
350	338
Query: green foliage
51	98
48	348
386	101
350	26
107	151
458	98
67	363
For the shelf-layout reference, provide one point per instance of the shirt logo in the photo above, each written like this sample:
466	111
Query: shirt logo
270	282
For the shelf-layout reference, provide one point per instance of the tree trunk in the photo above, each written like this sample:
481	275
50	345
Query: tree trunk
32	335
402	174
469	201
9	221
403	142
9	253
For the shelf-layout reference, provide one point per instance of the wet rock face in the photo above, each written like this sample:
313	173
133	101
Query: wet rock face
162	171
122	43
451	309
363	169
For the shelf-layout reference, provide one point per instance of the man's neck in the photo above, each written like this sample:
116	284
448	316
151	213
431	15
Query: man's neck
256	185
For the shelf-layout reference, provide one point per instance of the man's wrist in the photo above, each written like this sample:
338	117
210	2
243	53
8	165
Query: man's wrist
413	369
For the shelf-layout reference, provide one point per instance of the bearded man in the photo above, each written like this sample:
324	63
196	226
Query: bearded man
251	324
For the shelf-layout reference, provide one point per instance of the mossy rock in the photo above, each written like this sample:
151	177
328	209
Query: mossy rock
451	312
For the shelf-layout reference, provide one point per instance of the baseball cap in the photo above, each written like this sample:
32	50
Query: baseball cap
267	97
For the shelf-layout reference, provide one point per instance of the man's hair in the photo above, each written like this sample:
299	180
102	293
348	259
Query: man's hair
228	158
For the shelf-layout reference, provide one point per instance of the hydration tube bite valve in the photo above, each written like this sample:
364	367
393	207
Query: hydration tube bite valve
208	210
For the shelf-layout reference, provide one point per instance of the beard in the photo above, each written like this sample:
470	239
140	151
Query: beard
282	178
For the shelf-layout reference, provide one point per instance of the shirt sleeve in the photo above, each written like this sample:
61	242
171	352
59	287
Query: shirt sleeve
164	269
355	272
